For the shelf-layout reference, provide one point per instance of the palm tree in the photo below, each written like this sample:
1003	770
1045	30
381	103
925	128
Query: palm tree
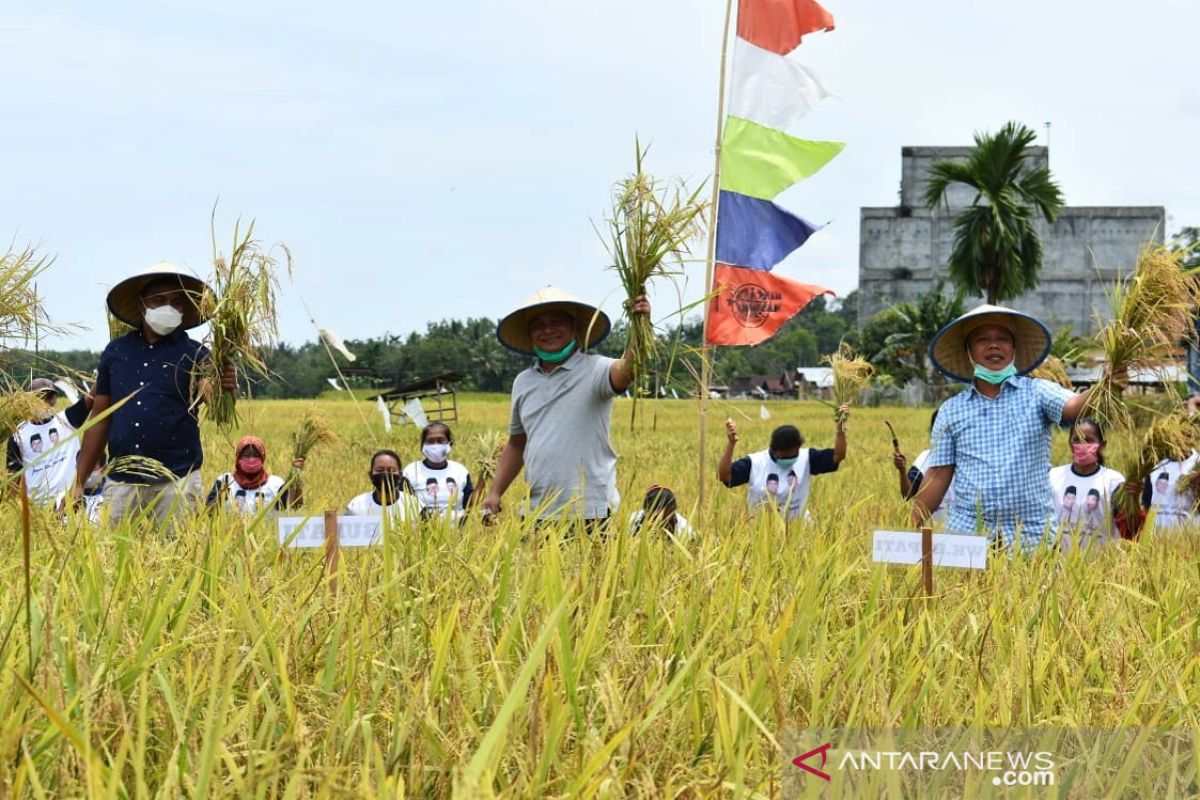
997	253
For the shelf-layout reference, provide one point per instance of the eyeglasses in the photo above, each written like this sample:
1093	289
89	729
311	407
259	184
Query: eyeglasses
177	300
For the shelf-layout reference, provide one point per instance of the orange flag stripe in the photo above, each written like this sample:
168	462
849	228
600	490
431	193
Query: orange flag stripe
749	305
779	25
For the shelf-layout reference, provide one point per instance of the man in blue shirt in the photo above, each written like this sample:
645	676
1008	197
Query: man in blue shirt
151	369
993	439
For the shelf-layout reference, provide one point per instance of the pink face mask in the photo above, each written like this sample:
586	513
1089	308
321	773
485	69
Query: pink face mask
1085	453
250	466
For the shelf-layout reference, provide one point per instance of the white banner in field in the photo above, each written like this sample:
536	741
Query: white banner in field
949	549
310	531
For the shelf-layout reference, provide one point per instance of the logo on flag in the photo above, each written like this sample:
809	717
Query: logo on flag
752	305
749	305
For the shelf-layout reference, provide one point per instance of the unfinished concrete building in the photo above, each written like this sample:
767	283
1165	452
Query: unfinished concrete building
903	250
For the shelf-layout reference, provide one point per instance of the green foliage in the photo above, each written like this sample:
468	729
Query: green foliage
470	347
1187	241
997	253
897	340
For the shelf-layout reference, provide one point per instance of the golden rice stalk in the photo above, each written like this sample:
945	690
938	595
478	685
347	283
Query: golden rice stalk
1170	437
487	447
312	431
851	375
1151	315
16	407
149	469
241	315
21	313
1053	370
650	231
116	328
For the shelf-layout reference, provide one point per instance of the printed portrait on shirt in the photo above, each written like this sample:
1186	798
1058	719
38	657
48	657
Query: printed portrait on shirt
452	488
1162	488
1093	511
35	443
431	490
53	434
772	485
1068	504
792	479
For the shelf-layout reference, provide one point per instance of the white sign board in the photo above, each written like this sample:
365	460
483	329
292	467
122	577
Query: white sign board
310	531
949	549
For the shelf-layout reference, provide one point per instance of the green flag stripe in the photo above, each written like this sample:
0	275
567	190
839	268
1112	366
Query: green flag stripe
762	162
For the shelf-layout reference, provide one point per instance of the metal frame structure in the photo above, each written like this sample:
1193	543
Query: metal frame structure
436	393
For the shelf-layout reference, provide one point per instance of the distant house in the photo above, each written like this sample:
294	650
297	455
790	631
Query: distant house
814	382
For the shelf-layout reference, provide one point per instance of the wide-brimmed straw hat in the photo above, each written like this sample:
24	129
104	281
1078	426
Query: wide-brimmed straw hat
591	324
125	299
948	350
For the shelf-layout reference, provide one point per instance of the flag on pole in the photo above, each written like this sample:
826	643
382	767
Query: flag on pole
749	305
779	25
757	233
759	159
771	90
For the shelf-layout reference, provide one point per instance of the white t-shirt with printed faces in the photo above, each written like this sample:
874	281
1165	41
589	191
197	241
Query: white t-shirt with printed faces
48	453
249	501
1083	505
1172	508
405	509
772	485
439	490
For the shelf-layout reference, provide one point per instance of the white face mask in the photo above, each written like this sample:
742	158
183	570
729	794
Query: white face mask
436	453
164	319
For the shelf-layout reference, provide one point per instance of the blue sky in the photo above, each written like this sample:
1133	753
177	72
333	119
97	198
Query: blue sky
426	161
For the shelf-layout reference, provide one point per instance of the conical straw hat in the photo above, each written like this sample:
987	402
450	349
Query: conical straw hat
591	324
125	299
948	350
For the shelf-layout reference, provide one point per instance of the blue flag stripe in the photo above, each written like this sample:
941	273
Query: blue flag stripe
757	234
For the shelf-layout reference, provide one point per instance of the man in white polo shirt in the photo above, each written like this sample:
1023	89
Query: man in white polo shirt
561	409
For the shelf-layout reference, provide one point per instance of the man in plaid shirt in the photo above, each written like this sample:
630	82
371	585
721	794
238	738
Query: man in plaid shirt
993	439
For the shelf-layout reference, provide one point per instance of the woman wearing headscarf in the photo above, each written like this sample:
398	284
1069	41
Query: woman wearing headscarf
251	487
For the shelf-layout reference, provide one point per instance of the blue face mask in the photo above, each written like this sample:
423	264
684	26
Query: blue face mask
786	463
556	357
995	377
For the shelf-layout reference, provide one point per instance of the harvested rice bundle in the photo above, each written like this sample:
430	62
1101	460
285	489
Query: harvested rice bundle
1152	313
313	430
241	315
650	230
150	469
486	448
1170	437
851	374
18	406
1053	370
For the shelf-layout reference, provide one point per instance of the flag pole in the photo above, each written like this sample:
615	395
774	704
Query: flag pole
705	355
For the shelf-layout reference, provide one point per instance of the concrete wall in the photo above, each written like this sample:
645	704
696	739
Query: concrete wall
903	250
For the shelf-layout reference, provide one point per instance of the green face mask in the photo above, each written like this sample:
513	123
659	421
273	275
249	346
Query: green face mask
995	377
556	357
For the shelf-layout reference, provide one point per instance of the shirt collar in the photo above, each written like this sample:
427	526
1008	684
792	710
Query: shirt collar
1014	384
568	364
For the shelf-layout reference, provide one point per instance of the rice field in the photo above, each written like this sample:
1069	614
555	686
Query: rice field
491	662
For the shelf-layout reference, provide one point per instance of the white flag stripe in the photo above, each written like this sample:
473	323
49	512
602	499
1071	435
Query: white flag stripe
770	89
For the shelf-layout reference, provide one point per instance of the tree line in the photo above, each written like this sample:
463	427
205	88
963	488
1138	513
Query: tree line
471	348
